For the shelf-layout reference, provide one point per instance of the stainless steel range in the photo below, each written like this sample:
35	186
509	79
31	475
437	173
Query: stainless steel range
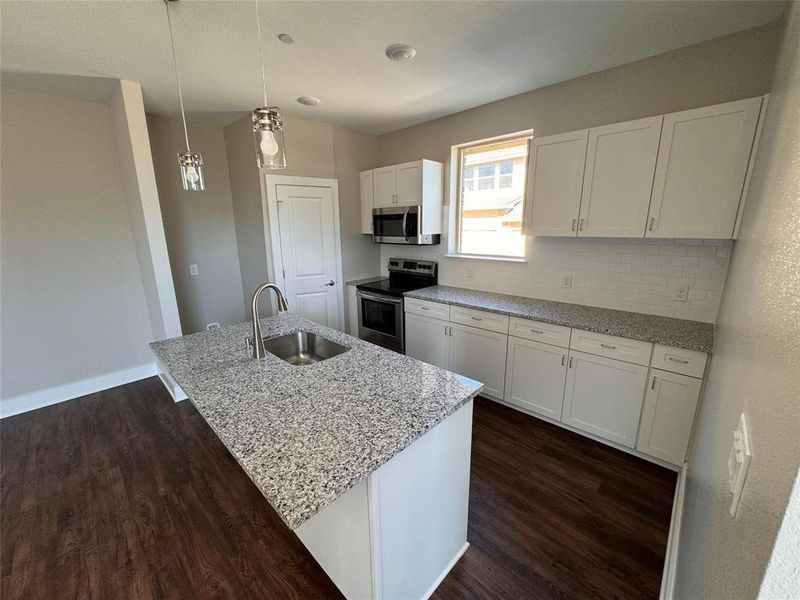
380	303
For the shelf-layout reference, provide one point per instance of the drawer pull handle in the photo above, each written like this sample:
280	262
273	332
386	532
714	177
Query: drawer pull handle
653	385
445	330
537	331
476	318
571	359
608	346
682	361
424	308
563	359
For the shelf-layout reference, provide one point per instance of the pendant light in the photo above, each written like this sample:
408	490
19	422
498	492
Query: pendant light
191	163
267	124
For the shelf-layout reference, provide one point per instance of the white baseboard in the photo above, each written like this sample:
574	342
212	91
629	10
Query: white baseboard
447	570
671	558
61	393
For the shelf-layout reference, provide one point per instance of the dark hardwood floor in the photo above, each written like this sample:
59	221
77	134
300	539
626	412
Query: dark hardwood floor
125	494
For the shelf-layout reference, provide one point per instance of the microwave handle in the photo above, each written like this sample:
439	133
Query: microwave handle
405	224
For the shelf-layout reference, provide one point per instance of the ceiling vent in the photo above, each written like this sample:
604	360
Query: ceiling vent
400	52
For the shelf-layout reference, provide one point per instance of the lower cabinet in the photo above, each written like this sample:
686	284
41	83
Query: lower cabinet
603	396
668	414
428	340
480	355
535	375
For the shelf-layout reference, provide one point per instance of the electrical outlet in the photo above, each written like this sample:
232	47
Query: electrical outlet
681	293
738	463
193	270
566	281
212	326
470	273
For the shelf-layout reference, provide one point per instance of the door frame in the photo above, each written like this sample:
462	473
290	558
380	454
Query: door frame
269	210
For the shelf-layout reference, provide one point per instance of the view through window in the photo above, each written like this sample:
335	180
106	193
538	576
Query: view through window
491	200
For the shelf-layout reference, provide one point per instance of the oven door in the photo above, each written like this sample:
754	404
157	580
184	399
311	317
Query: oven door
380	320
396	225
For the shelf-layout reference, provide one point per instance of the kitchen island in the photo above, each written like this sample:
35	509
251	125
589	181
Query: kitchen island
364	455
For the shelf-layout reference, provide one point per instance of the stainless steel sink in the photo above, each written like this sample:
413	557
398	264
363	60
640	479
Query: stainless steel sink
303	348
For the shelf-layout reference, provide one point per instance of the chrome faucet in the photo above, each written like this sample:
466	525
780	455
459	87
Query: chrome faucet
256	343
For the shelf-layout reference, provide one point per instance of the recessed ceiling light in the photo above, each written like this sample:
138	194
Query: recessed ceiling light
308	100
400	52
286	38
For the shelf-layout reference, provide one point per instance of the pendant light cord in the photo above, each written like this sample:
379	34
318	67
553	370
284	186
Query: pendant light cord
177	77
261	55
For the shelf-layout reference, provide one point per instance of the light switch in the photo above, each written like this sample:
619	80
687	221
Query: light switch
738	463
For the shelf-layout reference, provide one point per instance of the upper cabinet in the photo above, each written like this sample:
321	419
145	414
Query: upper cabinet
618	177
367	201
418	183
679	175
557	163
702	163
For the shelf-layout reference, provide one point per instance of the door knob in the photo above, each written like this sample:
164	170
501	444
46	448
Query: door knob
331	282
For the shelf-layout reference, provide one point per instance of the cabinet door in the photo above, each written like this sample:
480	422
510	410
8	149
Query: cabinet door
535	375
480	355
428	340
366	201
409	184
604	396
618	179
702	163
384	181
668	415
557	163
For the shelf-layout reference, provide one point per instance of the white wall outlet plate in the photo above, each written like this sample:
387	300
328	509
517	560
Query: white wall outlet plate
193	270
212	326
681	293
738	463
470	273
566	281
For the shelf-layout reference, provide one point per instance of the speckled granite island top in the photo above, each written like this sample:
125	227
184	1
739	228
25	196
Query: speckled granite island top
678	333
307	434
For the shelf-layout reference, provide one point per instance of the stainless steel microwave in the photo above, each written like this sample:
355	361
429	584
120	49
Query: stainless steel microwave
401	225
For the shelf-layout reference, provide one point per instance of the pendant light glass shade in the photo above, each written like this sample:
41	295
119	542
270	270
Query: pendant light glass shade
268	131
191	163
192	171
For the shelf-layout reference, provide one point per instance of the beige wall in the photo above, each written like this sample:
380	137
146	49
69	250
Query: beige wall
615	273
754	369
313	149
199	225
73	305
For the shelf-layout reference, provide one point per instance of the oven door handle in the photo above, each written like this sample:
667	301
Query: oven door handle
387	299
405	224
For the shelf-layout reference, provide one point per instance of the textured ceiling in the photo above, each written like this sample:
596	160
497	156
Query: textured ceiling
468	53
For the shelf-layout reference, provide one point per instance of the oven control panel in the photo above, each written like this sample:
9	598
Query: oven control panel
404	265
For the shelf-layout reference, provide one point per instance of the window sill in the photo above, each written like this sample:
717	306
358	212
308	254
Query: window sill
512	259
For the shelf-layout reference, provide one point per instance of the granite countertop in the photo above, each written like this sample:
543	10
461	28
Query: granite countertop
678	333
305	435
365	280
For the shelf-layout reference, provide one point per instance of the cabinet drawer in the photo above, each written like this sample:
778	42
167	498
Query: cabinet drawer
678	360
427	308
611	346
479	318
539	332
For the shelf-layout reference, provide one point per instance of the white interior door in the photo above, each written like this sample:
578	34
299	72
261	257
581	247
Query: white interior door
306	223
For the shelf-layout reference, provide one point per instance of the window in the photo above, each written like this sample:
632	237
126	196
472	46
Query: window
491	198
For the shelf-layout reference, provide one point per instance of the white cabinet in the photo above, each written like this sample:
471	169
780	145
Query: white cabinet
668	415
384	182
618	178
480	355
702	164
557	163
535	375
409	184
367	201
603	396
428	340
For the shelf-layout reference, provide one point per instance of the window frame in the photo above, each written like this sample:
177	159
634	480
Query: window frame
457	157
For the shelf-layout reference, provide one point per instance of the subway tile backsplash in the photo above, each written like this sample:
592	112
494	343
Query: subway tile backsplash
636	275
